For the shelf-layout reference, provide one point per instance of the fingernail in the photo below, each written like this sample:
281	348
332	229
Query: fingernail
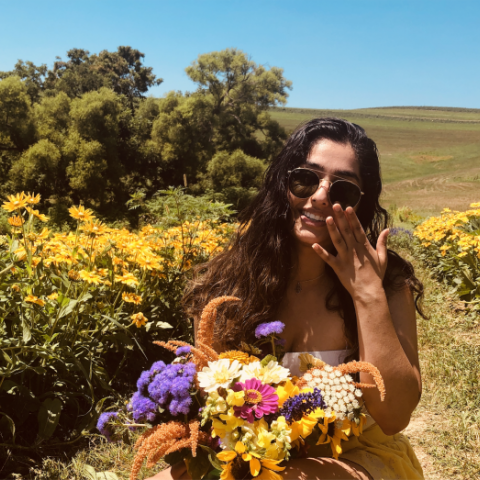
330	220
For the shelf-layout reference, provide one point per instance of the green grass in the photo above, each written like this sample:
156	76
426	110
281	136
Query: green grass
430	157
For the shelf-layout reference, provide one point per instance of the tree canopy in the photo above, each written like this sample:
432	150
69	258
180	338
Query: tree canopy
85	130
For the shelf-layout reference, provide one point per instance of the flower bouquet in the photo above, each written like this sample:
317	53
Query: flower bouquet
239	414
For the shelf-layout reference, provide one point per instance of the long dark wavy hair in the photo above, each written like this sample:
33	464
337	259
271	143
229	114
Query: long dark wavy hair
257	263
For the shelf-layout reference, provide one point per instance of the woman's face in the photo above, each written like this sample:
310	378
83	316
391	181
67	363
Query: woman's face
331	160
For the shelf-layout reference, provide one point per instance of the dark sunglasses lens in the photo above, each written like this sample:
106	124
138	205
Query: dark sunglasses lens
303	183
345	193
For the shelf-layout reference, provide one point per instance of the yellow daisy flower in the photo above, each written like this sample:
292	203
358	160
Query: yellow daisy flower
34	299
15	202
16	221
37	214
32	199
131	298
90	277
81	213
139	319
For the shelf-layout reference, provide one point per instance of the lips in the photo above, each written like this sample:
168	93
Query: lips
312	217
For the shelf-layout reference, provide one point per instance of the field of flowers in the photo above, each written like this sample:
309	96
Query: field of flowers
451	247
79	311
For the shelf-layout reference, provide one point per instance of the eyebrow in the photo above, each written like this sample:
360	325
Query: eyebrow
337	173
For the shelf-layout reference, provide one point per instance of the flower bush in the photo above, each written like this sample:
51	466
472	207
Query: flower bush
77	308
450	244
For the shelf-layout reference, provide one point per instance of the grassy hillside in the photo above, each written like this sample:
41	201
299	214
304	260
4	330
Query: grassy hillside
430	156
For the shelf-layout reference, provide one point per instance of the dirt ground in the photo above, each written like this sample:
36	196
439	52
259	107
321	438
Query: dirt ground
414	432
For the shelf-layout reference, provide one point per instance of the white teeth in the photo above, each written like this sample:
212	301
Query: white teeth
311	216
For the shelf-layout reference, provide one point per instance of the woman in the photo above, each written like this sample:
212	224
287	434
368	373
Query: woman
311	251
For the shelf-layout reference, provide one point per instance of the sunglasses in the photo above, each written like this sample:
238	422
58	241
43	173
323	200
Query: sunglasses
303	183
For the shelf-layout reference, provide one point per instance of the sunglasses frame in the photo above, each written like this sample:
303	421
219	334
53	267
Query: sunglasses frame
321	180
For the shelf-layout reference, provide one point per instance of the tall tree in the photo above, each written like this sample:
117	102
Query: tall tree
241	93
122	71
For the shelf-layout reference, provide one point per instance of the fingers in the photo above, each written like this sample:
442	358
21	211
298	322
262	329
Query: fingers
382	252
328	258
357	228
335	235
343	225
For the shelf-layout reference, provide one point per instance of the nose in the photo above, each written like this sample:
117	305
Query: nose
321	195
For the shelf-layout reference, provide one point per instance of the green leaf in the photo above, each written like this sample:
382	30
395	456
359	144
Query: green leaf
267	360
11	424
27	333
48	417
212	457
213	474
198	466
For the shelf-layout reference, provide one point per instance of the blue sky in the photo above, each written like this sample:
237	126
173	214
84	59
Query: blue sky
338	53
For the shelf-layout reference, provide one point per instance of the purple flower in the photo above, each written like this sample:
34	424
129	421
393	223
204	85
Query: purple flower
103	424
183	351
171	387
144	410
266	329
302	404
147	376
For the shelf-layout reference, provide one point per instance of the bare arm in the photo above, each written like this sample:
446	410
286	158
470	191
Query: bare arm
388	339
386	328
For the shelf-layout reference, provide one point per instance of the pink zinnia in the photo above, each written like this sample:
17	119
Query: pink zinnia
259	399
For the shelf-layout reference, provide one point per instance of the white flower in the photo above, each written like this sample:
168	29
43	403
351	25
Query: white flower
351	397
349	378
271	373
338	373
219	374
308	377
355	404
358	392
351	387
328	368
316	373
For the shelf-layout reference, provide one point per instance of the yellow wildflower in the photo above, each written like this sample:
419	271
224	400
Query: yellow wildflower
242	357
20	253
131	298
90	277
73	275
333	433
32	199
15	202
34	299
15	287
94	228
16	221
139	319
53	296
308	361
37	214
127	278
81	213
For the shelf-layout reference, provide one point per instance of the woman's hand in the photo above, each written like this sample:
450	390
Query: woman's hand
358	265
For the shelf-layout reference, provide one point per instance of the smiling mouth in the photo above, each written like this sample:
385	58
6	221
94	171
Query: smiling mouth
314	218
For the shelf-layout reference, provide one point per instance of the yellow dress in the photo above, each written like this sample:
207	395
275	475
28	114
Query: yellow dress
384	457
